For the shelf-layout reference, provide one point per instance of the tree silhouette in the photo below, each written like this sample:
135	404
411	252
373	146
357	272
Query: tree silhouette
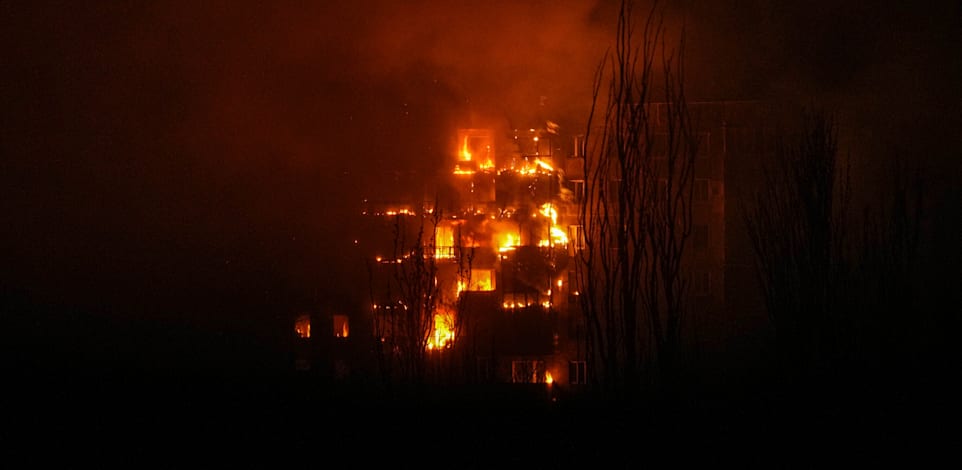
796	224
637	216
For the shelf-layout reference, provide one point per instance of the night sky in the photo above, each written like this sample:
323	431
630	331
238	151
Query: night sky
199	163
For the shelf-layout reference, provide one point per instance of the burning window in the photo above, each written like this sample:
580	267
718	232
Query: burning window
507	241
302	326
444	242
482	280
341	326
443	333
475	145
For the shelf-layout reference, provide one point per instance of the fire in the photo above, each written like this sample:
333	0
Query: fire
400	211
443	334
548	379
558	236
341	326
544	166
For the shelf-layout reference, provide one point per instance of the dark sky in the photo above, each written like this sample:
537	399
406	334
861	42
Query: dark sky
186	159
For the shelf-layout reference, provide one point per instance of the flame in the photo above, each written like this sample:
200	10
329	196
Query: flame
558	236
465	152
509	242
543	165
341	326
548	210
548	379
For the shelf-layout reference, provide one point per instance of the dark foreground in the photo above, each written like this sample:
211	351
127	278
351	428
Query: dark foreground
272	420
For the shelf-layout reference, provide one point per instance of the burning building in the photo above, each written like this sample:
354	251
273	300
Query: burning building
472	272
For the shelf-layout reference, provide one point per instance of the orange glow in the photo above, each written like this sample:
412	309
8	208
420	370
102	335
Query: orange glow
302	326
341	326
548	379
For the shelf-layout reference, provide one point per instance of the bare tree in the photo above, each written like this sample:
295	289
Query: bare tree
637	216
417	322
888	276
796	224
404	321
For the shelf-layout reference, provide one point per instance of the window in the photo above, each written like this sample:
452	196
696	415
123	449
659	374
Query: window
701	189
700	238
578	188
341	326
577	372
523	372
302	326
577	238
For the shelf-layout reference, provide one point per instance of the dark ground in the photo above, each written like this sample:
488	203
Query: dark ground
179	421
123	396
